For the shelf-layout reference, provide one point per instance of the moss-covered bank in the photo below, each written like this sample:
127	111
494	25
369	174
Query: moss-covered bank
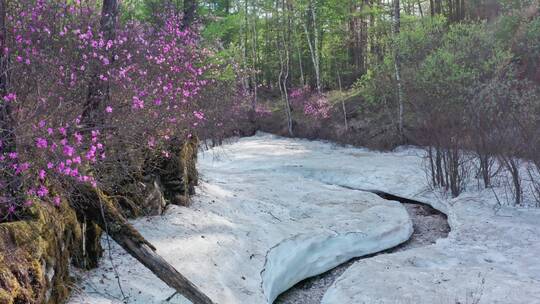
35	254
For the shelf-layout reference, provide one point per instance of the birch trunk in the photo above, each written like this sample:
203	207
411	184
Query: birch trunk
397	65
284	76
314	45
343	103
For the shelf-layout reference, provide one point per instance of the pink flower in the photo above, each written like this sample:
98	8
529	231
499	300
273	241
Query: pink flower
78	137
137	103
74	172
69	150
42	191
151	142
108	109
56	201
41	143
22	167
199	115
62	131
91	154
42	174
10	97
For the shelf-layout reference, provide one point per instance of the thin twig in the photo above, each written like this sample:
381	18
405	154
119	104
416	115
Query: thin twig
115	269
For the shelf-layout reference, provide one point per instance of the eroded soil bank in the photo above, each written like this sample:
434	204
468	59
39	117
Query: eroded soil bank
429	226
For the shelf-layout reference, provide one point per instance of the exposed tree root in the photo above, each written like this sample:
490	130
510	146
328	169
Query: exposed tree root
102	210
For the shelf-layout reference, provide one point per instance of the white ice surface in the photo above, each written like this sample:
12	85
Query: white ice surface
288	199
267	216
492	254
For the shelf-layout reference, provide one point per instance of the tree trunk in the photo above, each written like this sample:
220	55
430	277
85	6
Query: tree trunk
314	46
300	64
286	94
396	29
438	7
98	89
190	11
284	72
316	42
254	64
342	102
102	210
7	125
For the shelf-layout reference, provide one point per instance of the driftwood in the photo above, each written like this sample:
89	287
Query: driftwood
102	209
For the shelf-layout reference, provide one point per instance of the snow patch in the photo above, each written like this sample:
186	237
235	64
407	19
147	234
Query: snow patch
279	205
307	255
258	225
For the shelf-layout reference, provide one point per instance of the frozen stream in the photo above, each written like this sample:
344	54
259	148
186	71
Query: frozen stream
271	212
429	226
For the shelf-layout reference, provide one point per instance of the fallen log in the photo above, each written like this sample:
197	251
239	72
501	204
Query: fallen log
102	210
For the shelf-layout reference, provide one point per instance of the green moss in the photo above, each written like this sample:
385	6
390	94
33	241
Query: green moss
5	297
47	241
188	165
51	237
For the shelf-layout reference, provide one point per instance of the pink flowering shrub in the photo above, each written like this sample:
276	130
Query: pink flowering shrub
299	93
312	104
318	107
262	110
154	77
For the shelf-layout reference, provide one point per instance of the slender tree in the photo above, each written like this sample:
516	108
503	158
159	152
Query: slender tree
314	44
284	59
8	144
98	89
190	12
299	53
396	25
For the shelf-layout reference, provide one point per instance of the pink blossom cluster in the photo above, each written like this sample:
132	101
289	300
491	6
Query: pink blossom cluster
263	110
154	77
297	94
317	106
314	105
